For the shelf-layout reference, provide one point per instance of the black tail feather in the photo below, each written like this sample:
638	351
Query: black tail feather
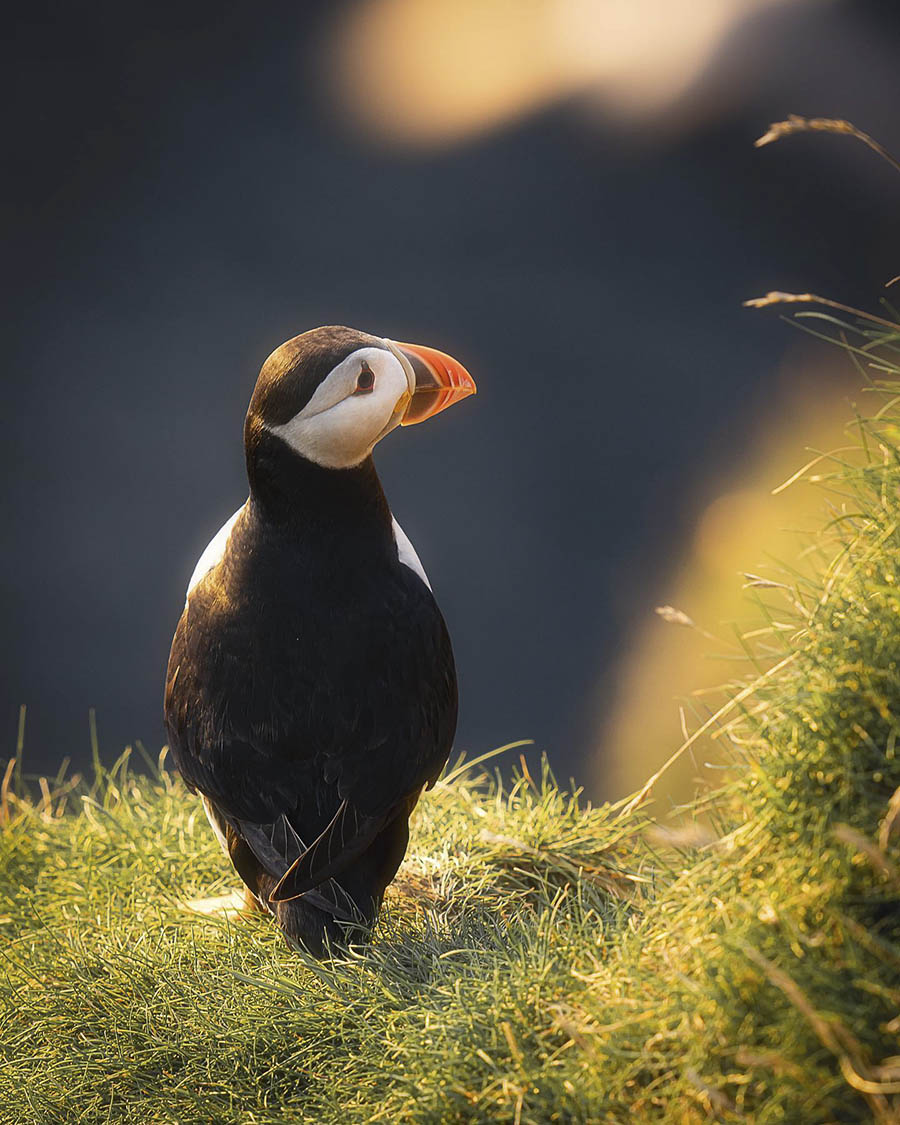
344	840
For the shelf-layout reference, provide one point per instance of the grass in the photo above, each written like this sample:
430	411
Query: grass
539	960
119	1004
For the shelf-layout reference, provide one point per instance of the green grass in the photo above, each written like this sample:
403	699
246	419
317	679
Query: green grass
539	960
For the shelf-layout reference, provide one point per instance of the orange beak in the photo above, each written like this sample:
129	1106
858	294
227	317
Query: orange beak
440	381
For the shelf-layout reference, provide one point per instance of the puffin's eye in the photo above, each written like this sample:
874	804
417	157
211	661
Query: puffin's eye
365	381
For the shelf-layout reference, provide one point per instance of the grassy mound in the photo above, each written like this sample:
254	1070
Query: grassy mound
120	1004
539	960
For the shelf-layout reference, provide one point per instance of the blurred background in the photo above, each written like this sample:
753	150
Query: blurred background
562	193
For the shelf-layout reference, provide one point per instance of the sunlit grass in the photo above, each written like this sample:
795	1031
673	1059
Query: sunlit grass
539	960
119	1003
672	665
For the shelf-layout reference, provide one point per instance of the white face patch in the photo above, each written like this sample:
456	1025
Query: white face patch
341	423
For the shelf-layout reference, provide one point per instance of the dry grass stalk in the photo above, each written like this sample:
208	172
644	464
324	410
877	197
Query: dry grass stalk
891	820
796	124
775	297
673	616
4	792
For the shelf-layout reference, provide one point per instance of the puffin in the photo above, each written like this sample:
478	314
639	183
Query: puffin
311	691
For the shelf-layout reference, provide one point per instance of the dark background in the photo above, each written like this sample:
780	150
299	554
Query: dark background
180	195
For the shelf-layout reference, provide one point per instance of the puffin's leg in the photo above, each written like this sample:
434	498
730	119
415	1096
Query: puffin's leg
252	903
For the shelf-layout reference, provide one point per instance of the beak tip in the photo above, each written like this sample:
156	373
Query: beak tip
441	381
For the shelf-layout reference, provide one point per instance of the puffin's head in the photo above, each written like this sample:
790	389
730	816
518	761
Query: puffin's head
333	392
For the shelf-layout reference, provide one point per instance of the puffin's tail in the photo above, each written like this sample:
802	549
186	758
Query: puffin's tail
344	840
308	923
340	912
333	913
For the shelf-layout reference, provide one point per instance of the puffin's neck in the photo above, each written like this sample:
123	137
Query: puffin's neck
293	494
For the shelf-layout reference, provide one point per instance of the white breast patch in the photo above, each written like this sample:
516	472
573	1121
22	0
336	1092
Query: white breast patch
214	551
407	552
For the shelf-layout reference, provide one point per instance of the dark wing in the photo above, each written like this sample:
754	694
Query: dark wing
332	736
